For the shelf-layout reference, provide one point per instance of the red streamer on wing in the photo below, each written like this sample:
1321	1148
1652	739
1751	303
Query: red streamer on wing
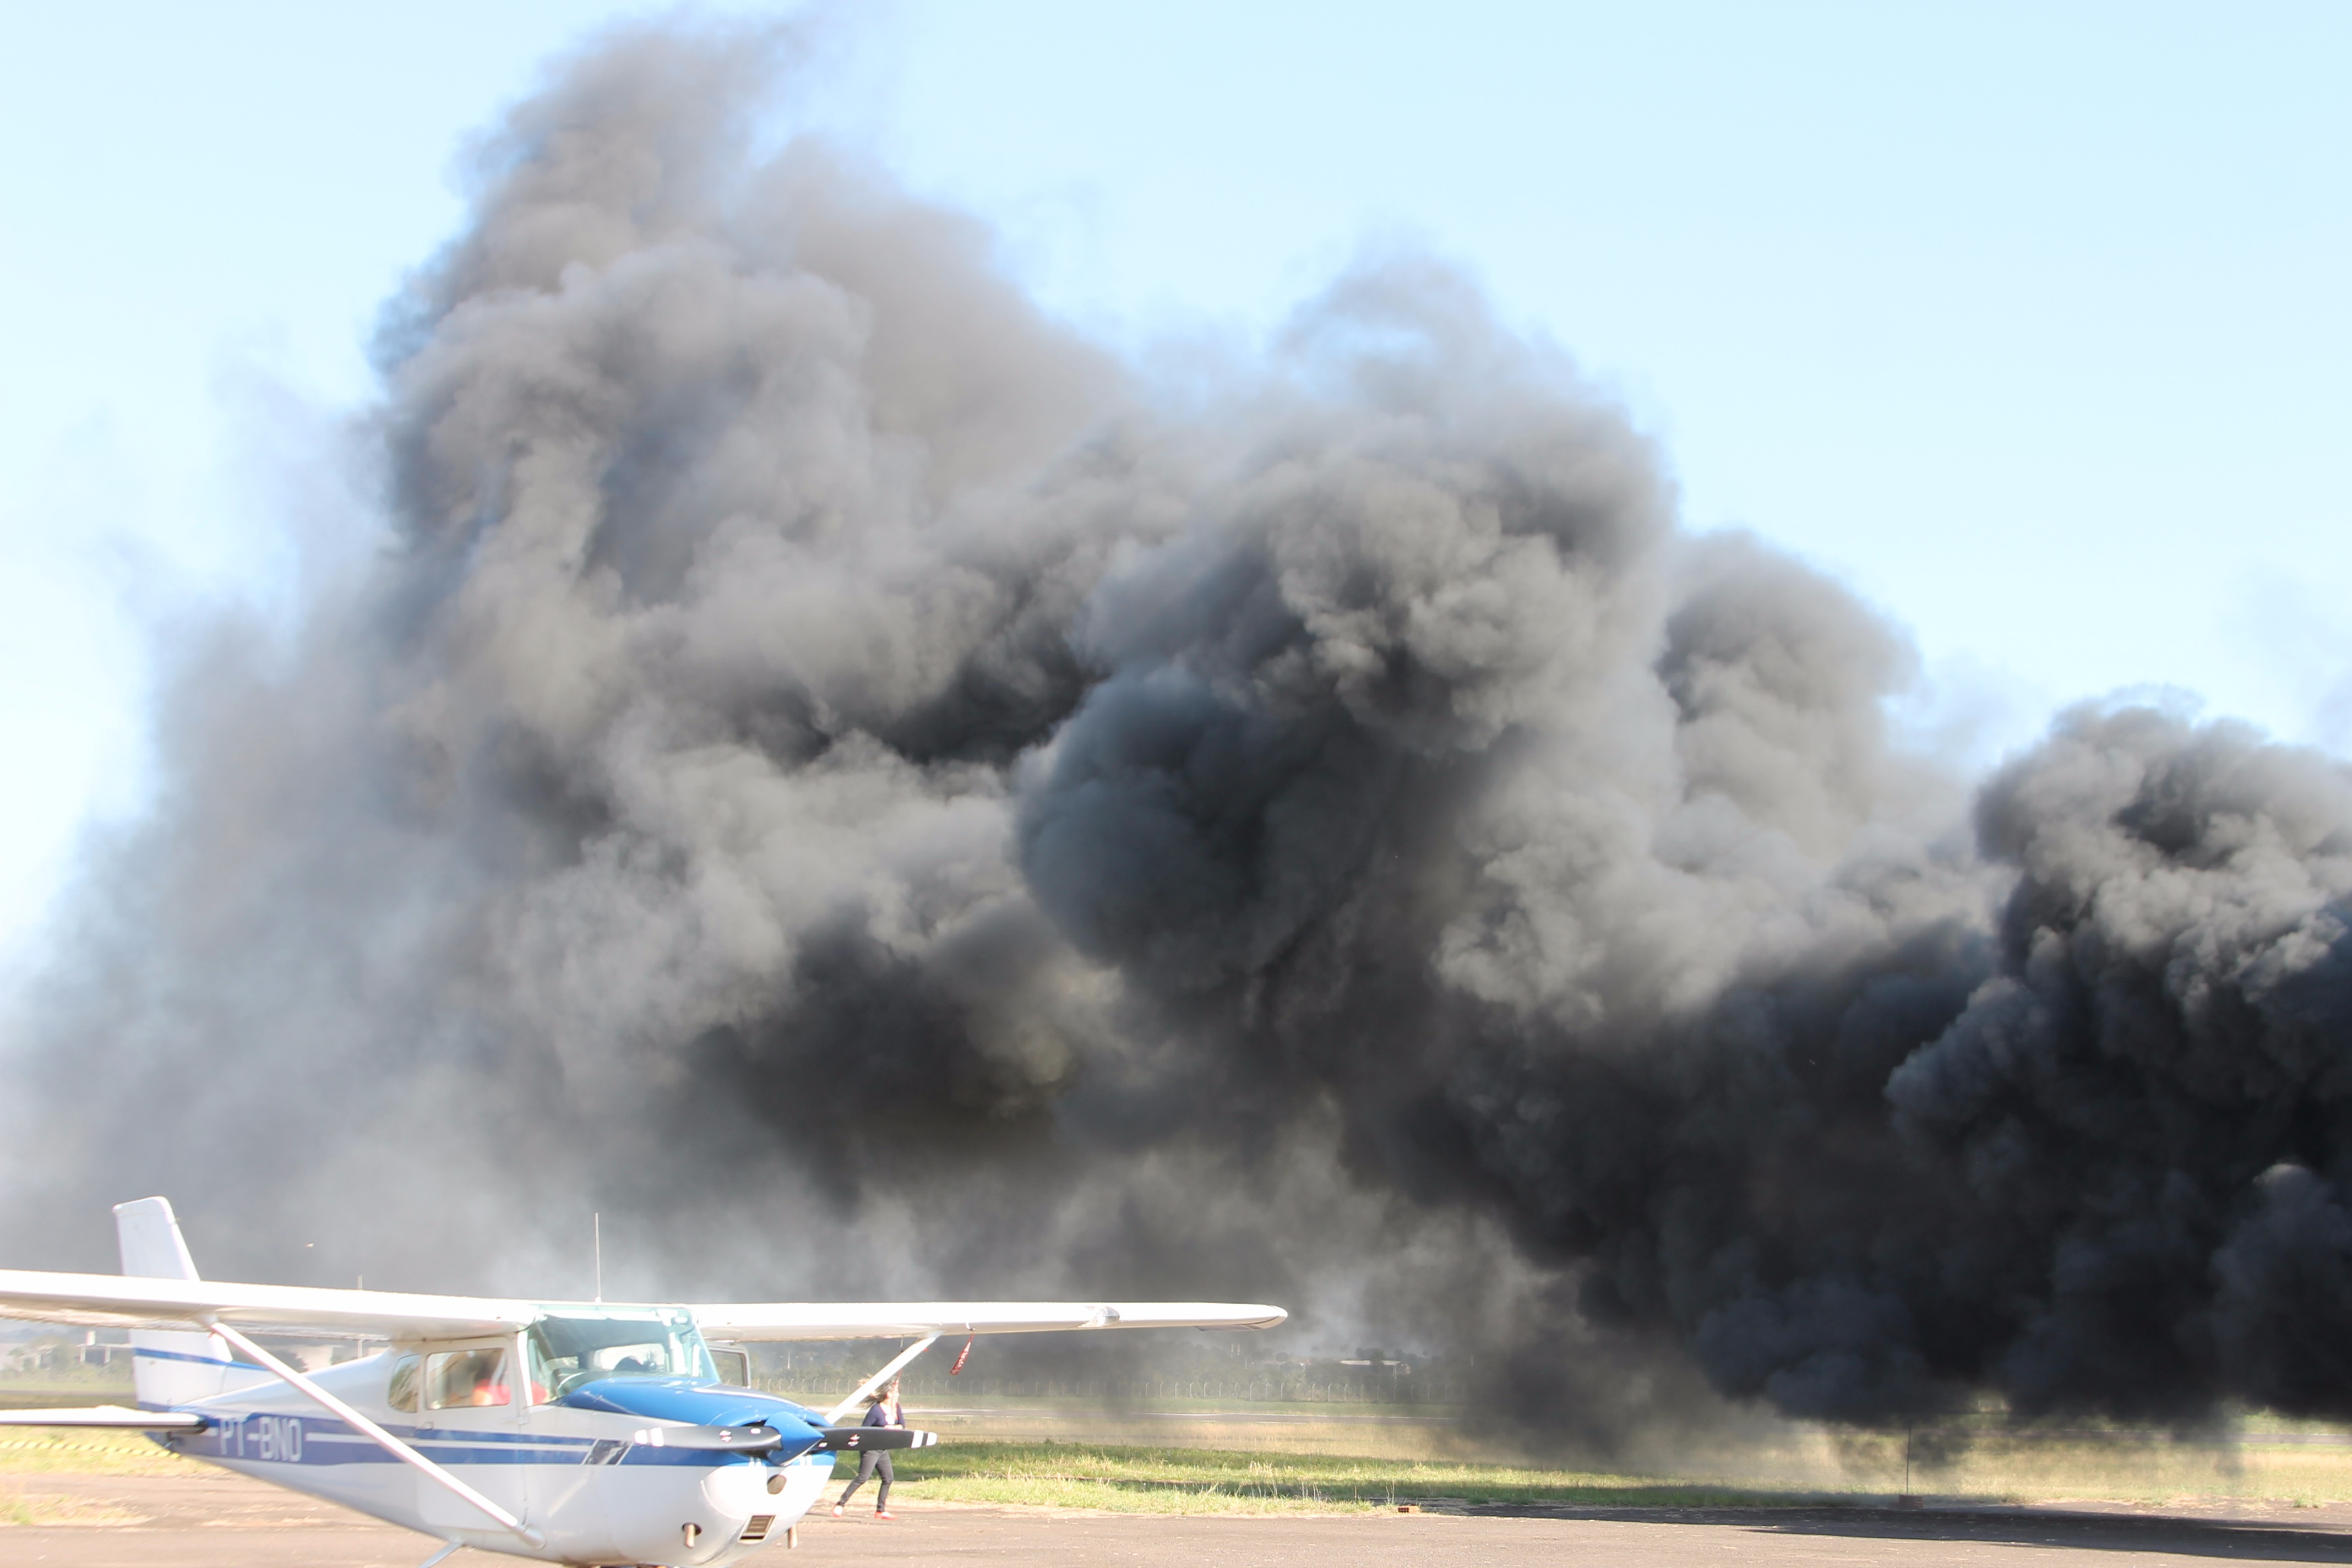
962	1356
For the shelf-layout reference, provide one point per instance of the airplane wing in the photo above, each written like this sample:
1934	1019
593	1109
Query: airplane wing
118	1301
909	1319
116	1416
115	1302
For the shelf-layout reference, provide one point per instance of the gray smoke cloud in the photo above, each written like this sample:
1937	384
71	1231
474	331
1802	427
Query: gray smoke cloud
874	792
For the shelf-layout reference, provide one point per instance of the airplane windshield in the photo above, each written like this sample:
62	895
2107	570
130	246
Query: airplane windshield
569	1349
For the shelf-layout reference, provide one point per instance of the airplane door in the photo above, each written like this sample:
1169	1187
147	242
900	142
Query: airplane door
471	1424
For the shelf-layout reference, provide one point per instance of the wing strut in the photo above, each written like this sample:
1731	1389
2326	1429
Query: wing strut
383	1439
878	1379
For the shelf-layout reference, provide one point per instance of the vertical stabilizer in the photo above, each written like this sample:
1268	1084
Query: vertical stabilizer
152	1246
170	1369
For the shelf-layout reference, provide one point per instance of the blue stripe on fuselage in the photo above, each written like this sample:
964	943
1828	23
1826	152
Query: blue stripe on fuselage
327	1440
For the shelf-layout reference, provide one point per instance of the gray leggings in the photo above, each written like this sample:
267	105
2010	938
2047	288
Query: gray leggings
869	1462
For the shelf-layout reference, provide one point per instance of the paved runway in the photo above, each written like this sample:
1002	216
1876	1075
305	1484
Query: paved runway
229	1522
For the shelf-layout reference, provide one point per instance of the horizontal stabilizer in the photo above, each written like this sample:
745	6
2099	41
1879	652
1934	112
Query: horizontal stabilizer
116	1417
861	1440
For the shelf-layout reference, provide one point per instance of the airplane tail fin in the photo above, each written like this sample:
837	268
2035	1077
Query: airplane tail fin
152	1246
172	1368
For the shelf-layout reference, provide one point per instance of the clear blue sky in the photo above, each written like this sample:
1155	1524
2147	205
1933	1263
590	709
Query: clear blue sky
2032	323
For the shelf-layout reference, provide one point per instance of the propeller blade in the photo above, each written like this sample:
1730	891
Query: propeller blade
711	1439
859	1439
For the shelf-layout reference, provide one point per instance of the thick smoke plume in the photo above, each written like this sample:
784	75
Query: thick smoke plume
872	792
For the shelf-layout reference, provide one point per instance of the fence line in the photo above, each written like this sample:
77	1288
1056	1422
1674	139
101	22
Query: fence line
1255	1390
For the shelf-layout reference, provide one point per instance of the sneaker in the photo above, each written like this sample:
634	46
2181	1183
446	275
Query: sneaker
836	1510
883	1514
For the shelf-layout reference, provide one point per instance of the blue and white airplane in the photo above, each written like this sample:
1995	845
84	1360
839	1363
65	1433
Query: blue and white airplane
586	1433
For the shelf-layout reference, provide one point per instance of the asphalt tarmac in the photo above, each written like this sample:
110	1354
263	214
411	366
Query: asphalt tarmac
228	1521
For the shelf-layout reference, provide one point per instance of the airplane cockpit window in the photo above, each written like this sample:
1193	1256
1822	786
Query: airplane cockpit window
455	1379
569	1349
401	1393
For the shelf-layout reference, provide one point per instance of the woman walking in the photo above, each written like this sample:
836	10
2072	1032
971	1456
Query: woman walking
886	1411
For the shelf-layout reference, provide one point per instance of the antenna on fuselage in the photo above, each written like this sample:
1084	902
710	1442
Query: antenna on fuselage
597	1220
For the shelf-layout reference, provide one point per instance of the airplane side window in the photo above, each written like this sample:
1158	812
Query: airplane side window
401	1394
458	1379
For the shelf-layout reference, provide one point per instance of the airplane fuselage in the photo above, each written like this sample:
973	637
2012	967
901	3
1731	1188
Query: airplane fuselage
586	1470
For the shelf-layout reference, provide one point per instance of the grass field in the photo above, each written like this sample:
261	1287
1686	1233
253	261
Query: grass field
94	1386
1849	1469
1131	1479
1383	1432
63	1451
19	1507
1293	1461
2276	1465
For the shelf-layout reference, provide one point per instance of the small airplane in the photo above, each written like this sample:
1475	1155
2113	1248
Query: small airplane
585	1433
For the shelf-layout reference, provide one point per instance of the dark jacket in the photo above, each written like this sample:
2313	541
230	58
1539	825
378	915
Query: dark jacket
879	1415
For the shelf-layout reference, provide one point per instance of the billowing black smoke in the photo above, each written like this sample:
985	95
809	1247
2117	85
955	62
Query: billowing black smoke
872	793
